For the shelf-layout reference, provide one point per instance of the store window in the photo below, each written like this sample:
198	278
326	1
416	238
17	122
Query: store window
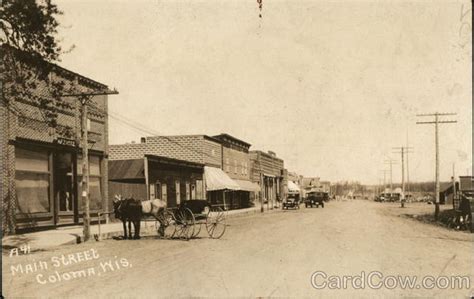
178	192
199	189
188	190
193	191
158	190
164	192
32	181
95	185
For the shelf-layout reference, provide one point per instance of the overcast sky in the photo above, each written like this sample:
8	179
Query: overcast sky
330	86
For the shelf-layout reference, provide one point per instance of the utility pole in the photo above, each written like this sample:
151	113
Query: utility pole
408	170
436	122
454	186
402	150
84	98
384	179
391	162
85	169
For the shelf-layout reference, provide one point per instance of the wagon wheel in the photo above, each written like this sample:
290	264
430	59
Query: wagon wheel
184	223
197	229
215	223
169	227
199	221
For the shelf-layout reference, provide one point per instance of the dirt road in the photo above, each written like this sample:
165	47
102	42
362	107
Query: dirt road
273	254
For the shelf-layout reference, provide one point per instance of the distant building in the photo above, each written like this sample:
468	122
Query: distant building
236	164
446	195
310	184
291	183
267	171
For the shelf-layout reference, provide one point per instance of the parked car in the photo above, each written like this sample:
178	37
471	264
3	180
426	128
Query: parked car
315	199
292	201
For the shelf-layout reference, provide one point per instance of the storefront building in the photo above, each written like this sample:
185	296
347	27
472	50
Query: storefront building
267	170
155	177
41	166
236	164
226	172
291	184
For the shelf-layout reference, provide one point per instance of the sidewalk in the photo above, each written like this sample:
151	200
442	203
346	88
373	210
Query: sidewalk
73	234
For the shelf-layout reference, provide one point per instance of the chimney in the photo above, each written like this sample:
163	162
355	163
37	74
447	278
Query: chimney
143	140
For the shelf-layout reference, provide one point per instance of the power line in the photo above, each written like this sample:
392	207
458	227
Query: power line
148	131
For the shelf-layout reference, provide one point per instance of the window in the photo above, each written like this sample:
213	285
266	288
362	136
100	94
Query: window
199	193
242	169
157	190
188	191
32	180
178	193
193	191
95	184
164	192
235	166
227	164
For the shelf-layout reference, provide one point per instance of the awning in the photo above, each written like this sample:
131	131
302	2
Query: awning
126	170
248	186
293	188
216	179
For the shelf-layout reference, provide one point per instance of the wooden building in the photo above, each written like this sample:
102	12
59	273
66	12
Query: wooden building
156	177
267	170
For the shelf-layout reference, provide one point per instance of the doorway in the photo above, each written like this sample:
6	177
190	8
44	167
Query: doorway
64	187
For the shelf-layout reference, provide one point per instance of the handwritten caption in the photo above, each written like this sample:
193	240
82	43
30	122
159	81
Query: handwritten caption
41	269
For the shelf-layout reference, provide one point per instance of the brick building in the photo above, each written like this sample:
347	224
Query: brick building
193	148
236	164
200	149
41	166
267	170
155	177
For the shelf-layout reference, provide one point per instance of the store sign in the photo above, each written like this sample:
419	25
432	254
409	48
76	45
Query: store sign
65	141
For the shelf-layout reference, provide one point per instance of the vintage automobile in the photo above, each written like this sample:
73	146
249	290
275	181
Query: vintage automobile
316	199
292	201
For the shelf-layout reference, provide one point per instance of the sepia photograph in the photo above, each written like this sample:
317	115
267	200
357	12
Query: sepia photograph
236	149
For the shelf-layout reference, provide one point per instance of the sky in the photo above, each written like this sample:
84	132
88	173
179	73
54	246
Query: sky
330	86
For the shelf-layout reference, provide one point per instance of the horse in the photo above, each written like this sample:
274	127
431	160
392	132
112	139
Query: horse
132	210
128	210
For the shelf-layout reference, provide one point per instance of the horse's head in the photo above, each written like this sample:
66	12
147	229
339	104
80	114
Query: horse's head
118	203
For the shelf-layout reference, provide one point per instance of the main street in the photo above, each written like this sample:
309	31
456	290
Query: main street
274	254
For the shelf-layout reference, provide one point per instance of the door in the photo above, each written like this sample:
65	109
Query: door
64	194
